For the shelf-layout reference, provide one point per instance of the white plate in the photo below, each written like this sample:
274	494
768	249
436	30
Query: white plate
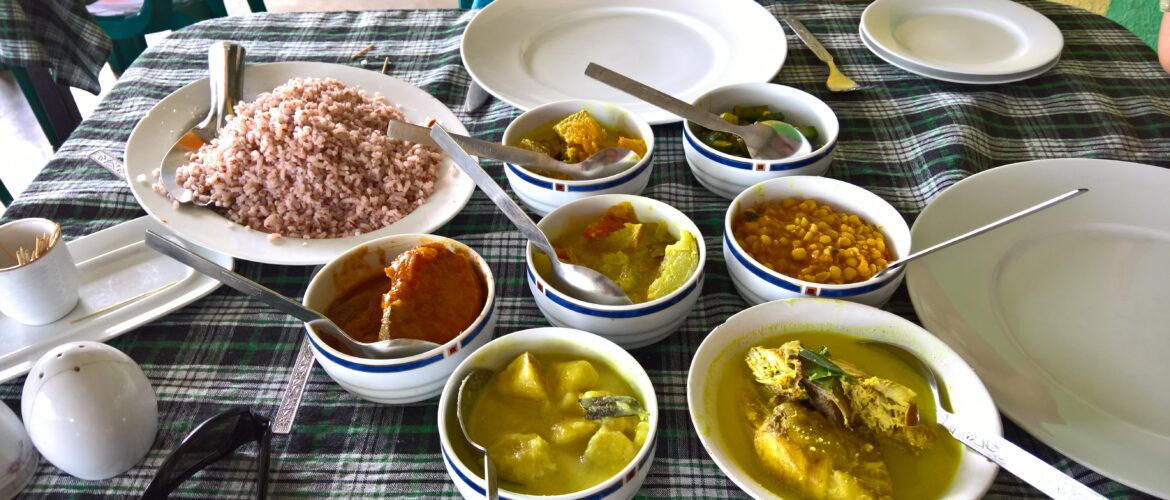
153	136
947	76
984	37
115	265
530	53
1063	314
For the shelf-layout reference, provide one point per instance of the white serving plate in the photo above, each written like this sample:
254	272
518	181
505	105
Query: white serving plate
1063	314
974	38
530	53
947	76
115	265
170	118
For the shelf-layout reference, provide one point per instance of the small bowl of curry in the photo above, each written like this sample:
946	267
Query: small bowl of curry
571	131
429	287
813	236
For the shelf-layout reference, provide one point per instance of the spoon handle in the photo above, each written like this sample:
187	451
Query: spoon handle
478	147
244	285
657	98
492	190
980	230
1016	460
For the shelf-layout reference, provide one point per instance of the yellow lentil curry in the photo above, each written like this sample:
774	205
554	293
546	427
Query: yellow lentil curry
857	431
810	241
577	137
643	258
535	429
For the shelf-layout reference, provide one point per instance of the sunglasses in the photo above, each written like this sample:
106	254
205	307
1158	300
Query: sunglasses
210	441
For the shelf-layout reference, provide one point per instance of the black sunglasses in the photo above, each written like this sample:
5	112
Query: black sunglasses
215	438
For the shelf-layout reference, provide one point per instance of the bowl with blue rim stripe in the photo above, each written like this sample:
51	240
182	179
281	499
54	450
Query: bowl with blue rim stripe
631	326
543	194
400	380
757	284
457	454
727	175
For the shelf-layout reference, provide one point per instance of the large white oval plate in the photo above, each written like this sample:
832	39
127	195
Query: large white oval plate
171	117
987	37
1063	314
530	53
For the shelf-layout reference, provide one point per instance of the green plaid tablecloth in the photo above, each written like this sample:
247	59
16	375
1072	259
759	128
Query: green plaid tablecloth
906	139
56	34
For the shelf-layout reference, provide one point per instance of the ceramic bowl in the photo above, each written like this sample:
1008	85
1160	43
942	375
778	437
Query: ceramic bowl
544	194
758	284
968	396
630	326
402	380
495	356
728	175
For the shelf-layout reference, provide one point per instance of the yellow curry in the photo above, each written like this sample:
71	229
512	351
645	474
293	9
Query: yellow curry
535	429
860	434
577	137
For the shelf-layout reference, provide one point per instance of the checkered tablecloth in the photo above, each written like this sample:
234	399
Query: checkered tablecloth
55	34
906	139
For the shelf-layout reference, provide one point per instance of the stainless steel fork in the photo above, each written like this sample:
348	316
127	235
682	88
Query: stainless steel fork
837	82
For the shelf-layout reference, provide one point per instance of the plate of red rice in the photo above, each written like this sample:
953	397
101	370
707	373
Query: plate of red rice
304	171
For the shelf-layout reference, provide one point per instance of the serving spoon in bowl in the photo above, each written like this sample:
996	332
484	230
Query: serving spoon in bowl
1004	453
766	140
225	67
470	388
604	163
579	282
383	349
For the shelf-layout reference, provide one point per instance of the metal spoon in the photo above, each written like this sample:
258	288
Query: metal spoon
603	163
978	231
579	282
385	349
225	65
469	391
764	142
1012	458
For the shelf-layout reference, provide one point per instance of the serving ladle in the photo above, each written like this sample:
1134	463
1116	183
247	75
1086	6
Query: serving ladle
980	230
601	164
1012	458
225	67
470	389
579	282
383	349
766	140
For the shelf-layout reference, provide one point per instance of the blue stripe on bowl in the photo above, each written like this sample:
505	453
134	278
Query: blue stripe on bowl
772	167
561	301
607	491
766	276
404	366
523	174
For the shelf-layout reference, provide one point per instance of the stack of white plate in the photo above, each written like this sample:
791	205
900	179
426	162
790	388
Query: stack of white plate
977	42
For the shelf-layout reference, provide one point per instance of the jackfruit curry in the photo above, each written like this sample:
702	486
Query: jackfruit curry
531	418
432	294
575	138
643	258
825	417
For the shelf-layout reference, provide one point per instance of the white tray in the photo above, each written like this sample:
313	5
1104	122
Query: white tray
115	266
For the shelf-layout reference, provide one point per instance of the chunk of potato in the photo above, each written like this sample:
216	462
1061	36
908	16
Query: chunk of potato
609	450
522	379
624	425
572	430
575	376
570	405
522	458
641	432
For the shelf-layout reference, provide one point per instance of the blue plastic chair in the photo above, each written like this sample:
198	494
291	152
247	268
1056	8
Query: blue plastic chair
473	4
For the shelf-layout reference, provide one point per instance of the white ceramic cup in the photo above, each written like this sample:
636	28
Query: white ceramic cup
41	291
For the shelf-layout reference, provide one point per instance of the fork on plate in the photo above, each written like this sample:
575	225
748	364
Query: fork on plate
837	82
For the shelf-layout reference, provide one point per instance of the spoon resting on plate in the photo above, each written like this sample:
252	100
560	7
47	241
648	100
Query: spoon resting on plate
1012	458
579	282
384	349
980	230
769	140
604	163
